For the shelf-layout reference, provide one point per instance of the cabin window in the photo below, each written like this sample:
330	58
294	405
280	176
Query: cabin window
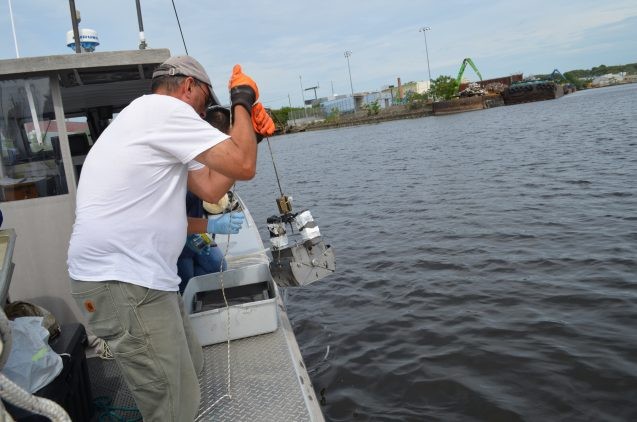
30	157
80	141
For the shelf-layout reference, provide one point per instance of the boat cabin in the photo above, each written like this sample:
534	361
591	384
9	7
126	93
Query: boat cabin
52	109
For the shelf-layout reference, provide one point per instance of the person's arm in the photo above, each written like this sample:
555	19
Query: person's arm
236	157
197	225
208	184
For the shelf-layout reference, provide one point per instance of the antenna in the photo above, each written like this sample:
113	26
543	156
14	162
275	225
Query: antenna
76	32
15	39
142	38
80	40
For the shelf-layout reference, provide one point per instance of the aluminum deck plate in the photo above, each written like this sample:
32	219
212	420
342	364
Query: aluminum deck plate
268	380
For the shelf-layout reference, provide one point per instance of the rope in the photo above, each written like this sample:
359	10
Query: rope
16	395
278	181
225	301
179	24
103	350
276	173
108	412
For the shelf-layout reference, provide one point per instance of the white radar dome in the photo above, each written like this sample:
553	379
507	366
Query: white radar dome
88	39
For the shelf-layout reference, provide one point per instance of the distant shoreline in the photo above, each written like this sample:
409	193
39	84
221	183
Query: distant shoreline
383	116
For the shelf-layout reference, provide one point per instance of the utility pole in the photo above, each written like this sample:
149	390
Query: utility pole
290	103
303	96
424	30
347	56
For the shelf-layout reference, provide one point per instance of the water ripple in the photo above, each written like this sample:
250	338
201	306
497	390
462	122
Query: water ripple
486	262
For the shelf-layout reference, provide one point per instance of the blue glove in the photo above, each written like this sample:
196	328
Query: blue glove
226	224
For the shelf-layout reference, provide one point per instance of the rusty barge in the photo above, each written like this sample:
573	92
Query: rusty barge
526	92
501	91
460	105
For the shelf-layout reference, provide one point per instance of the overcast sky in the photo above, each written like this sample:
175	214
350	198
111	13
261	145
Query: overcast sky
277	41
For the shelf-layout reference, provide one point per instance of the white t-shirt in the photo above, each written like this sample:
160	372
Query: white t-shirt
130	219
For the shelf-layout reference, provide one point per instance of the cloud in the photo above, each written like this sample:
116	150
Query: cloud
277	41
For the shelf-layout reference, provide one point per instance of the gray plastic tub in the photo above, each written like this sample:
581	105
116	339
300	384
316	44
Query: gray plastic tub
251	296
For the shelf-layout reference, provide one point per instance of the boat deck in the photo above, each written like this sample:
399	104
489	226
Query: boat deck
268	380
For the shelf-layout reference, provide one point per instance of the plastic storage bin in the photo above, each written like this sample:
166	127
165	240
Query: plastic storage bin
251	296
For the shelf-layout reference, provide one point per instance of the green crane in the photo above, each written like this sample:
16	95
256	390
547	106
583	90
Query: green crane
557	75
461	72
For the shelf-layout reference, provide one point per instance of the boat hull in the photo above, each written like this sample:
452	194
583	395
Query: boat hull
460	105
531	92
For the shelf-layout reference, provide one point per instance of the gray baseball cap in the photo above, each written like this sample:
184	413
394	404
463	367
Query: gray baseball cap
185	66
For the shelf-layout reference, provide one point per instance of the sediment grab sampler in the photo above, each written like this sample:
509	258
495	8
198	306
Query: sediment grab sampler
300	256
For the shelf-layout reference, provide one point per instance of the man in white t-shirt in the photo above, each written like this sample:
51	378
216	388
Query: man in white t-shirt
131	224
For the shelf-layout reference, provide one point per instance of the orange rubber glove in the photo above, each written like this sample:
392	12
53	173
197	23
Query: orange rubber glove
243	90
261	121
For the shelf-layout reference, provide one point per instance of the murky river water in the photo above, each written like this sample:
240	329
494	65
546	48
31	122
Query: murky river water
486	262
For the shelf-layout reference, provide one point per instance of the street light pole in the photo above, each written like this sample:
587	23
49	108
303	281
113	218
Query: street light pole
291	111
424	30
303	96
347	55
